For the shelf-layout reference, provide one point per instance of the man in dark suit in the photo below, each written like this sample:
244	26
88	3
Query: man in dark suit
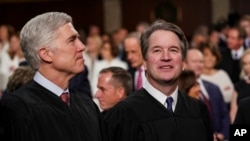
45	109
210	94
134	56
158	111
231	55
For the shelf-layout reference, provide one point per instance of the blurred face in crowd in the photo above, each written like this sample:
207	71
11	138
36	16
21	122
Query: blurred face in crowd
233	40
3	33
106	51
194	61
133	51
92	44
163	62
15	44
246	64
214	37
245	24
209	59
108	94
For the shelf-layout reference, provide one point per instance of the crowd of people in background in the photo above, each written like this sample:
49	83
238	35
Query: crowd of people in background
216	70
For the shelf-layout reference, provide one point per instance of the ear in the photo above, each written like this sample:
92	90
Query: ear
121	92
45	55
145	64
184	65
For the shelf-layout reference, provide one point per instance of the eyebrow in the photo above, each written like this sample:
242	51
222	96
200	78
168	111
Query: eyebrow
73	37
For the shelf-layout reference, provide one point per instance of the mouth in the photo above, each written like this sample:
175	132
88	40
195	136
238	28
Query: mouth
79	57
166	67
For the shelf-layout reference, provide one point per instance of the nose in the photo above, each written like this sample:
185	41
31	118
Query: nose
81	46
129	56
165	56
97	94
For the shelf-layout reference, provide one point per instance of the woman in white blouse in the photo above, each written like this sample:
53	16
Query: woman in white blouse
210	73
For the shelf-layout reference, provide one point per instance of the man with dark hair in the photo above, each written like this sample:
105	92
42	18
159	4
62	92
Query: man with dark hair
158	111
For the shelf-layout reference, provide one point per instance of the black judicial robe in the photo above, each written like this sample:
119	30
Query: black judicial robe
140	117
33	113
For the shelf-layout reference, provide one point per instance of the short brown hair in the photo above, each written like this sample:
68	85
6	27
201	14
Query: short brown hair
213	48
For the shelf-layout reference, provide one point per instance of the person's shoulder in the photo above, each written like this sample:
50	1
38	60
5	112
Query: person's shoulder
210	84
130	104
239	84
14	103
79	96
190	101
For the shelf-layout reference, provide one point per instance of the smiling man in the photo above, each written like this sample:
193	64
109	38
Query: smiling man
158	111
45	109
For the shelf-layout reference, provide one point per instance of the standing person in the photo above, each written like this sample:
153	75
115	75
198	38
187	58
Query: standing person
210	95
230	61
245	24
211	57
114	84
158	111
134	56
45	109
243	86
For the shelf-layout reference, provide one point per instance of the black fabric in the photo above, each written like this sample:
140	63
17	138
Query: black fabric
33	113
243	113
80	83
140	117
242	89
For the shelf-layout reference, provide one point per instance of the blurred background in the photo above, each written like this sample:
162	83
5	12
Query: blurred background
109	15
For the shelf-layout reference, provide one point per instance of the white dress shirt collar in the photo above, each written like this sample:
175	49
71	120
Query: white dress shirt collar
239	52
40	79
159	96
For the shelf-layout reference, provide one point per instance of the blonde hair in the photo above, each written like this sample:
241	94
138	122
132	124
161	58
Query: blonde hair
246	52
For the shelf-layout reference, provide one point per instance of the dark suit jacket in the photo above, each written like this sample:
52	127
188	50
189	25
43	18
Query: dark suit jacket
219	109
140	117
132	72
80	83
231	66
243	113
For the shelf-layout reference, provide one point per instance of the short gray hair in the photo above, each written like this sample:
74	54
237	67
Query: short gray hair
163	25
40	32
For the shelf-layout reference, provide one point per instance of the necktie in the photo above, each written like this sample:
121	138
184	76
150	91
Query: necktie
169	102
139	79
65	97
207	102
235	56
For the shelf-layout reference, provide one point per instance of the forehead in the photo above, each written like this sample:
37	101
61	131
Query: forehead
131	43
66	30
233	32
246	58
194	54
105	76
164	38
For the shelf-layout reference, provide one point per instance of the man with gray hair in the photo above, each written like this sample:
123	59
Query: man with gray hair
158	111
45	109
